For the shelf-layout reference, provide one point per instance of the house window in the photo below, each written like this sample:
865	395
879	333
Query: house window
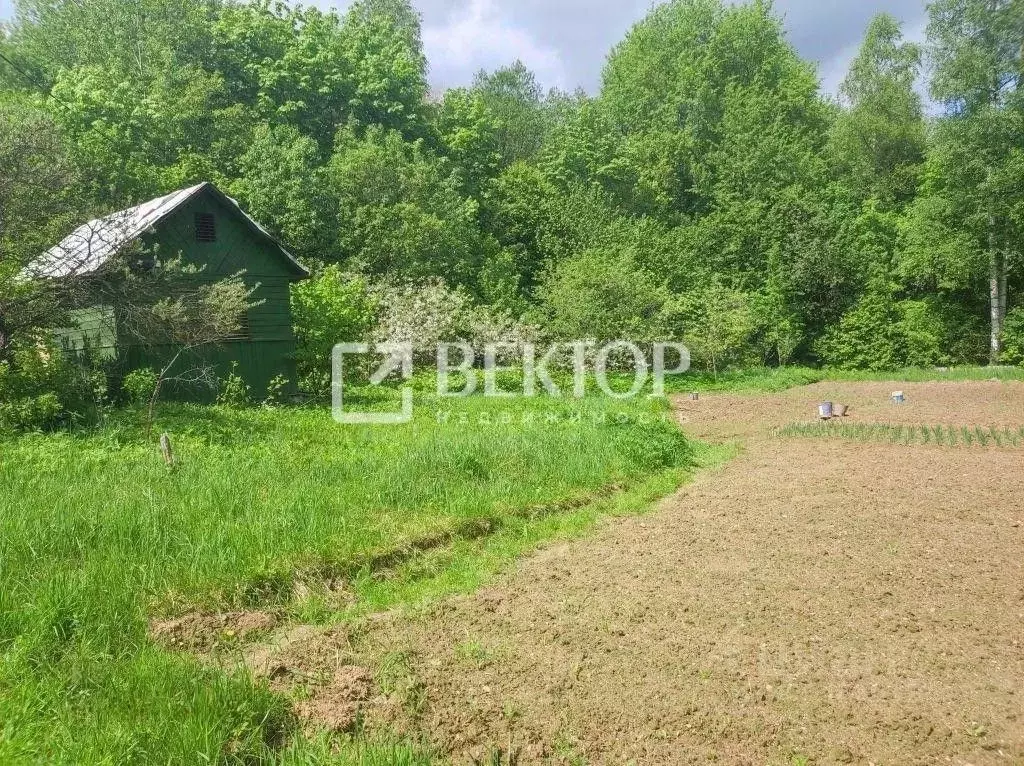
206	227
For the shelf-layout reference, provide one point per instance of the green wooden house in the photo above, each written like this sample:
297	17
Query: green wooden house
208	229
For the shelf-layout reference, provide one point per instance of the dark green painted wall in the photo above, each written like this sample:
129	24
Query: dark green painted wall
91	328
270	351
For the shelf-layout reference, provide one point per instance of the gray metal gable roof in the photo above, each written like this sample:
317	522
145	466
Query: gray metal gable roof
89	247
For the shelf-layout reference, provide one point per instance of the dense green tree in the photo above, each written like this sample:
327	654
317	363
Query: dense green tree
330	308
518	208
504	118
975	166
282	183
288	65
879	141
39	201
129	90
382	40
137	139
401	210
582	149
468	131
604	296
140	39
716	321
515	102
723	133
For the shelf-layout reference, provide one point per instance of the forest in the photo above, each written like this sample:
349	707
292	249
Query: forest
709	192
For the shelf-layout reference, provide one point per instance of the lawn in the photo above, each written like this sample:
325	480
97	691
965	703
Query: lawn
98	536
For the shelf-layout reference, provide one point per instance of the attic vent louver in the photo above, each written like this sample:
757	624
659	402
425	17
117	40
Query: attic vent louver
206	227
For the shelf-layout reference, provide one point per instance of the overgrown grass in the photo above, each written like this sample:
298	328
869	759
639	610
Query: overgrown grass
469	562
97	535
939	435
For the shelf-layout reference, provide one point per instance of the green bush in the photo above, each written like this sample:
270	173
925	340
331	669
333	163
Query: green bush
42	389
868	337
602	295
138	386
717	323
1013	337
883	333
922	334
233	391
332	307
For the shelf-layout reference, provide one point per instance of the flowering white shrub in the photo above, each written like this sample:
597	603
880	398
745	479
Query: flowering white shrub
429	312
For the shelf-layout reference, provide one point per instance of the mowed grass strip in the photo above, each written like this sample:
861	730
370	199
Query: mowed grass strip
97	536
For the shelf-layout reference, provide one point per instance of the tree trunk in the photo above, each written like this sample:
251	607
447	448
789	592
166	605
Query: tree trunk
1004	265
996	275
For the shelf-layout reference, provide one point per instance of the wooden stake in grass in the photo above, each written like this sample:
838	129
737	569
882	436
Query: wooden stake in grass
165	449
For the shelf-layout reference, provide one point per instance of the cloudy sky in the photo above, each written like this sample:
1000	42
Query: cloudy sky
565	41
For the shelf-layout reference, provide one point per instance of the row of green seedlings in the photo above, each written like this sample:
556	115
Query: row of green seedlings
947	436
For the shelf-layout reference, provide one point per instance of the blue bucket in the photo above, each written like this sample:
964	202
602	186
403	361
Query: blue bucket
825	410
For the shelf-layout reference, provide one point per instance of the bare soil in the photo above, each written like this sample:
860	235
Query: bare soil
732	416
203	631
810	602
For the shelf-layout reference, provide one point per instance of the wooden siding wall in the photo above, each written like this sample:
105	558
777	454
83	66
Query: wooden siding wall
270	349
92	328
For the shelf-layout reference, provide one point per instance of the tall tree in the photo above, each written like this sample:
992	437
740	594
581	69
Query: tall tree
38	203
469	134
402	210
383	41
139	38
976	52
284	185
287	65
879	141
515	101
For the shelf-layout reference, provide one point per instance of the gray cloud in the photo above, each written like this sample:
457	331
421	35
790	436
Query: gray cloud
830	32
566	41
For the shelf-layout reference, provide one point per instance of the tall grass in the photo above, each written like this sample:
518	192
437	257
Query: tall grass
97	535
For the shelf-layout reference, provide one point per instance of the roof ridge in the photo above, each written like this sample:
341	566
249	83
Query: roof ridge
92	244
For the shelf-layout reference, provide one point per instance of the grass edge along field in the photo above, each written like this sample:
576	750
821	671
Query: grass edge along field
98	536
462	568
